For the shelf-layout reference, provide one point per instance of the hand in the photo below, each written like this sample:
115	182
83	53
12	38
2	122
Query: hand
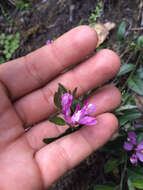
27	86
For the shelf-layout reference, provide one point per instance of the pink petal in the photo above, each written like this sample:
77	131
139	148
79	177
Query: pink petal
91	108
139	151
83	110
67	119
76	117
66	103
48	42
140	156
87	120
77	108
140	146
132	137
128	146
88	109
133	159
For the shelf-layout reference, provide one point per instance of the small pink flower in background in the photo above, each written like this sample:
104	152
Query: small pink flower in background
131	145
132	137
80	116
139	151
134	159
131	141
48	42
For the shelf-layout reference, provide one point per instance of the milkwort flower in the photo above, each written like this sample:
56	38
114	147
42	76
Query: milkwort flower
131	141
80	116
131	145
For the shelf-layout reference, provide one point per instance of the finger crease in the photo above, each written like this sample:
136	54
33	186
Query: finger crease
90	147
65	158
47	97
56	57
32	71
77	82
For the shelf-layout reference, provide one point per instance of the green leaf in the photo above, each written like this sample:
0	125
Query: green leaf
2	36
62	89
140	72
8	56
104	187
58	121
74	92
9	37
5	52
115	171
110	165
2	60
125	107
136	84
1	42
74	104
17	35
139	44
138	183
121	31
126	68
130	185
57	100
129	115
139	136
135	173
6	47
115	146
128	99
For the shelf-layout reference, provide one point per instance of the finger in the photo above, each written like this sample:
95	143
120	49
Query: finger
106	99
90	74
37	68
10	125
60	156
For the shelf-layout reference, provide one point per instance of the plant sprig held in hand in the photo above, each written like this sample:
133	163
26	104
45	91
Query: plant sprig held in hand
74	112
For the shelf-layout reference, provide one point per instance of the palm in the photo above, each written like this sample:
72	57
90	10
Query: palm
25	161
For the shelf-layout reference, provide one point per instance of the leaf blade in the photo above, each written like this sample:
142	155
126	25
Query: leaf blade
121	31
126	68
135	83
58	120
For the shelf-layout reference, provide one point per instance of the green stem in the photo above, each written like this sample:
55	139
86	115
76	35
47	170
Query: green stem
70	130
124	172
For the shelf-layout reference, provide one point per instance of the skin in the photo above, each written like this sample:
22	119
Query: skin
27	86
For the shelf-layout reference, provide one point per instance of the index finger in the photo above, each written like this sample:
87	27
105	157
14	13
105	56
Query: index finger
28	73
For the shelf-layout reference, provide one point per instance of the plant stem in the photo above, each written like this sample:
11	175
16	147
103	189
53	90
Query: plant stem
124	171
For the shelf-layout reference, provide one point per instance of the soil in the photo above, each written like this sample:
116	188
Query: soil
50	19
47	20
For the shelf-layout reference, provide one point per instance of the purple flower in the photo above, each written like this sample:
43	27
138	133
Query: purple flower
66	103
132	137
131	141
48	42
128	146
80	116
131	145
139	151
134	159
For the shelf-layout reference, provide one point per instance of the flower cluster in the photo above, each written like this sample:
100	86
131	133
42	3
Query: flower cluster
132	145
80	116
